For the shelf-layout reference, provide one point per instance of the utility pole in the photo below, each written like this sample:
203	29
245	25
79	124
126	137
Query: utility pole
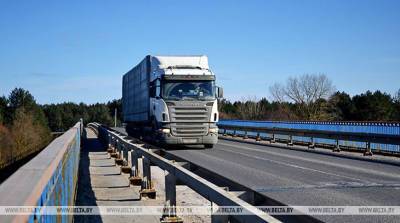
115	117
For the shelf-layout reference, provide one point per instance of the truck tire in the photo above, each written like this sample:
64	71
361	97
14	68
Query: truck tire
208	146
154	134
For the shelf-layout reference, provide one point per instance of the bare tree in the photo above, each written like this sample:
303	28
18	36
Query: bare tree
306	91
397	96
277	91
307	88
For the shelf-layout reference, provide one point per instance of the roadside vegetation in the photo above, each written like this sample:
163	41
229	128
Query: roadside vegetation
62	116
25	126
313	98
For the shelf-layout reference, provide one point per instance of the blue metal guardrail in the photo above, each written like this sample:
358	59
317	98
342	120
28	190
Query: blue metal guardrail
357	127
49	179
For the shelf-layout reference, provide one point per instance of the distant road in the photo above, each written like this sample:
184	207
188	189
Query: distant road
303	178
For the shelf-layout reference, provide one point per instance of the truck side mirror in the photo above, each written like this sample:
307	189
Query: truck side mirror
220	92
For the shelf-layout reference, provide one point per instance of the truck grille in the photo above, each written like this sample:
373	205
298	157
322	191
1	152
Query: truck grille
189	121
189	114
190	130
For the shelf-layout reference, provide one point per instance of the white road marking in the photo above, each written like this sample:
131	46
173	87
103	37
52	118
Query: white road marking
241	166
289	165
369	171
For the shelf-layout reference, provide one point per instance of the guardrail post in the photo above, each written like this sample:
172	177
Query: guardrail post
170	189
125	168
245	135
135	179
258	137
337	147
125	154
119	160
215	218
224	132
368	151
110	145
170	200
290	142
147	186
312	144
114	153
273	138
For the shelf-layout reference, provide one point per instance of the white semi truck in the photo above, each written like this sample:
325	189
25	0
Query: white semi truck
173	99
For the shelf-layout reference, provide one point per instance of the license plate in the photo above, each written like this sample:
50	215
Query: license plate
189	140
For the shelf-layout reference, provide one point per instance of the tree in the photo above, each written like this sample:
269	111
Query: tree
278	92
396	101
265	109
100	113
341	107
63	116
25	134
6	145
283	111
54	115
115	105
20	98
3	109
396	97
249	108
375	106
26	130
304	91
227	109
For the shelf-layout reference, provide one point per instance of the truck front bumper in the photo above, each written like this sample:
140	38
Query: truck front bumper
211	138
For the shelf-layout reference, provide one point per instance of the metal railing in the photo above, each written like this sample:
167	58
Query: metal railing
49	179
390	128
311	135
121	147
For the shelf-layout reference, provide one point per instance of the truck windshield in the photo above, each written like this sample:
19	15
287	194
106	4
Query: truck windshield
188	90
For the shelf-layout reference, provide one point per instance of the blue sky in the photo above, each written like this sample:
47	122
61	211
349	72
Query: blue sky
79	50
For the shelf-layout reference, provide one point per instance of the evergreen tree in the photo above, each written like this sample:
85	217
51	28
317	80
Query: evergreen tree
375	106
341	107
3	109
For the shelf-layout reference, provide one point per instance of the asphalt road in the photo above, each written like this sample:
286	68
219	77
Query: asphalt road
302	178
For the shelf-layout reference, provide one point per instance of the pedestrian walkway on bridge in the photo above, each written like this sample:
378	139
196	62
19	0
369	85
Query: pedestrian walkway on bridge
101	183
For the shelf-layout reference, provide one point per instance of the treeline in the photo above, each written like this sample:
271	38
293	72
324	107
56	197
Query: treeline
369	106
313	98
62	116
23	127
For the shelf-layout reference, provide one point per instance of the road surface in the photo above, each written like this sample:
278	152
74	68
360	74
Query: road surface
302	178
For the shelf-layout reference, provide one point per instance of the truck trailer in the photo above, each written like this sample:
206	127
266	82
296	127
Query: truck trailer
173	99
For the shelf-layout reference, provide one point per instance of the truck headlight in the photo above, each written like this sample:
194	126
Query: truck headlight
166	131
213	130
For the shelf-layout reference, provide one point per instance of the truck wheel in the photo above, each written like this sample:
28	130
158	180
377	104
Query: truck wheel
208	146
154	134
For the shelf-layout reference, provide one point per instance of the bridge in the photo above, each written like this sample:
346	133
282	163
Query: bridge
254	166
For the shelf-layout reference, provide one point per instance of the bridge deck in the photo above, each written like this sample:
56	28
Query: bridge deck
102	184
302	178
